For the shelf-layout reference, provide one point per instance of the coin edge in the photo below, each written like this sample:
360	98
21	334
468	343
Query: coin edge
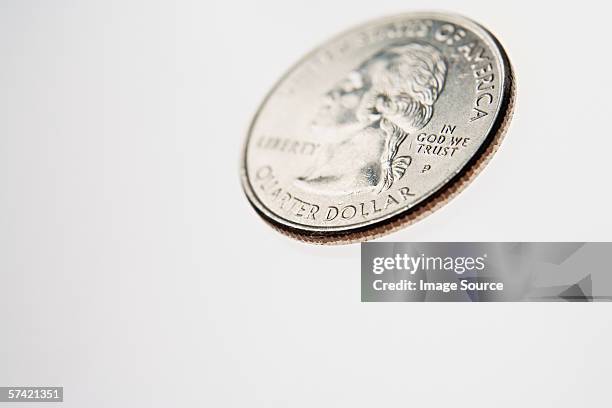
436	200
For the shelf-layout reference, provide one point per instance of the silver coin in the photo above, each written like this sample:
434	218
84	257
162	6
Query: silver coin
378	127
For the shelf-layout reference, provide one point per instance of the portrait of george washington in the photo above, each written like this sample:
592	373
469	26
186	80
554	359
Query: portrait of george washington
365	118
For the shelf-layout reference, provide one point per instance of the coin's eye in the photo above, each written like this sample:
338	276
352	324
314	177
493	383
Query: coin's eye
332	98
384	104
328	100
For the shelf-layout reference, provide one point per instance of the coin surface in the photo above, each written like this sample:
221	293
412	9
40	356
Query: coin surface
378	127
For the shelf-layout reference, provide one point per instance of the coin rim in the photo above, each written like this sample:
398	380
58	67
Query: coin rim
435	200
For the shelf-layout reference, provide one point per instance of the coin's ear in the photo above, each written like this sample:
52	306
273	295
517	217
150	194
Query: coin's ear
383	103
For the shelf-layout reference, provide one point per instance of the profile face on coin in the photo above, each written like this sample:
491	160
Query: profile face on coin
378	127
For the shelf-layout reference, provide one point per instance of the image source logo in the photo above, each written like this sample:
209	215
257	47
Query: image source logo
485	271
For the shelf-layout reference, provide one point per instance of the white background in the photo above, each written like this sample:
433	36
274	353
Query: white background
133	272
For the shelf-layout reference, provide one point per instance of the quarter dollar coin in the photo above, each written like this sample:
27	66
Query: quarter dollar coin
377	128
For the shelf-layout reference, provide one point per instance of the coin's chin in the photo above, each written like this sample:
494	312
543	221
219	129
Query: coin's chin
332	187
